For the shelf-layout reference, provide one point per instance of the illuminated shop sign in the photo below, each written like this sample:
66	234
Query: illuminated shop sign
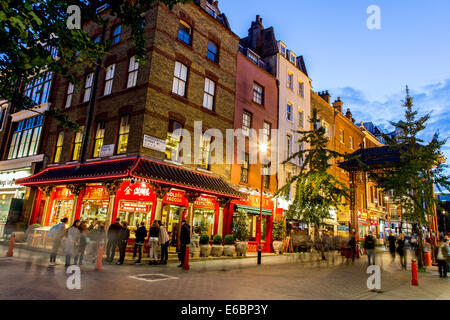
7	178
134	207
205	202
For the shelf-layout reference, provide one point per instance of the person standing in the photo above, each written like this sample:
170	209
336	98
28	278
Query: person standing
141	234
153	237
84	240
72	241
164	240
352	247
58	232
391	243
185	239
113	240
401	250
369	245
124	235
441	255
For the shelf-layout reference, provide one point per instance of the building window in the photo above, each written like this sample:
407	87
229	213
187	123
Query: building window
98	140
115	35
292	58
212	51
289	112
124	131
266	175
3	110
173	141
341	136
109	79
326	126
59	147
38	89
258	94
301	89
208	96
351	142
76	153
289	145
185	33
88	87
69	95
252	56
246	123
244	168
206	151
290	81
267	133
283	50
25	138
179	79
133	67
301	120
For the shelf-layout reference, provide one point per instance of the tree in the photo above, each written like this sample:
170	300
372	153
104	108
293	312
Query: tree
316	190
34	37
420	170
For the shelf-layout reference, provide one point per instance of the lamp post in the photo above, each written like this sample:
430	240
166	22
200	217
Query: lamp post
262	150
388	212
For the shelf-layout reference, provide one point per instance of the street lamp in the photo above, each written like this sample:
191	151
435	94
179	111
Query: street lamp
262	149
389	214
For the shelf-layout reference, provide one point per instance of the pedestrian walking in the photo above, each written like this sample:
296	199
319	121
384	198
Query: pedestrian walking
124	235
326	245
84	241
113	240
401	250
164	240
185	239
72	241
369	246
141	234
441	254
352	247
57	232
391	243
153	238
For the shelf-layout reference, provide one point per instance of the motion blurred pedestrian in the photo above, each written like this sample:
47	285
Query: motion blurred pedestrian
164	239
57	232
72	241
369	245
401	250
391	243
124	235
185	239
153	238
352	246
141	234
113	240
84	241
441	254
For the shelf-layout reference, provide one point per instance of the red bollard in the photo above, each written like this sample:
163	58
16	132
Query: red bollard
427	258
10	252
99	262
415	280
186	259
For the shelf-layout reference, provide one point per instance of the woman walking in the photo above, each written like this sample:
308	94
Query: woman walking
153	241
164	239
72	240
401	250
84	240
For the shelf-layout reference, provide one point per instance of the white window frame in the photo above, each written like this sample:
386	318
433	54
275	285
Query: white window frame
341	136
180	75
88	86
209	94
258	95
290	81
291	118
109	79
133	66
246	129
301	88
301	119
69	95
351	142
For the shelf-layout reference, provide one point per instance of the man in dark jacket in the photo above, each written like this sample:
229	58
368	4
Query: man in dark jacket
124	235
140	233
391	243
113	238
185	239
369	245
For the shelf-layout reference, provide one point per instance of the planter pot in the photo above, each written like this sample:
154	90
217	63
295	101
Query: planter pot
229	250
205	250
241	248
217	250
277	246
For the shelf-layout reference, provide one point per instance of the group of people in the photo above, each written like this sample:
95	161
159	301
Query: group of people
397	246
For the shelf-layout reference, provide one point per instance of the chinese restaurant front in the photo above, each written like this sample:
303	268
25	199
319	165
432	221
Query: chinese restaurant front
104	191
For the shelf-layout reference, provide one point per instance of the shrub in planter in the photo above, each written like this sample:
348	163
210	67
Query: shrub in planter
229	248
217	247
278	234
240	230
205	247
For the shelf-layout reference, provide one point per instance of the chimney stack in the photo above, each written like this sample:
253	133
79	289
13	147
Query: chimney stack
325	96
338	105
254	33
349	115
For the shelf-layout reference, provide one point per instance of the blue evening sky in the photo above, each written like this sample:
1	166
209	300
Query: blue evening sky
368	69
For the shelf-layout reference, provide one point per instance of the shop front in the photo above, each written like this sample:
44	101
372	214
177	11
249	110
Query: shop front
94	205
61	206
363	224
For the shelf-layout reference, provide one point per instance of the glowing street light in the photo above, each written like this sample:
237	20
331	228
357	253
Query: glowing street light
263	150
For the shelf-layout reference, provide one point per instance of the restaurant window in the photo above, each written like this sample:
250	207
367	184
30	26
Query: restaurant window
266	175
124	131
69	94
289	112
301	120
206	150
267	131
25	137
258	94
252	223
59	147
77	144
133	67
213	50
98	138
185	33
88	87
173	141
180	79
38	89
290	81
109	78
244	168
208	96
115	35
246	123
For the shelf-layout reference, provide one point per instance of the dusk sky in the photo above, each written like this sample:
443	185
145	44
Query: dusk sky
368	69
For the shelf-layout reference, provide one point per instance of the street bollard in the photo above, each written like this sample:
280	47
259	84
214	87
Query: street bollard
186	259
99	262
427	258
10	252
415	280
